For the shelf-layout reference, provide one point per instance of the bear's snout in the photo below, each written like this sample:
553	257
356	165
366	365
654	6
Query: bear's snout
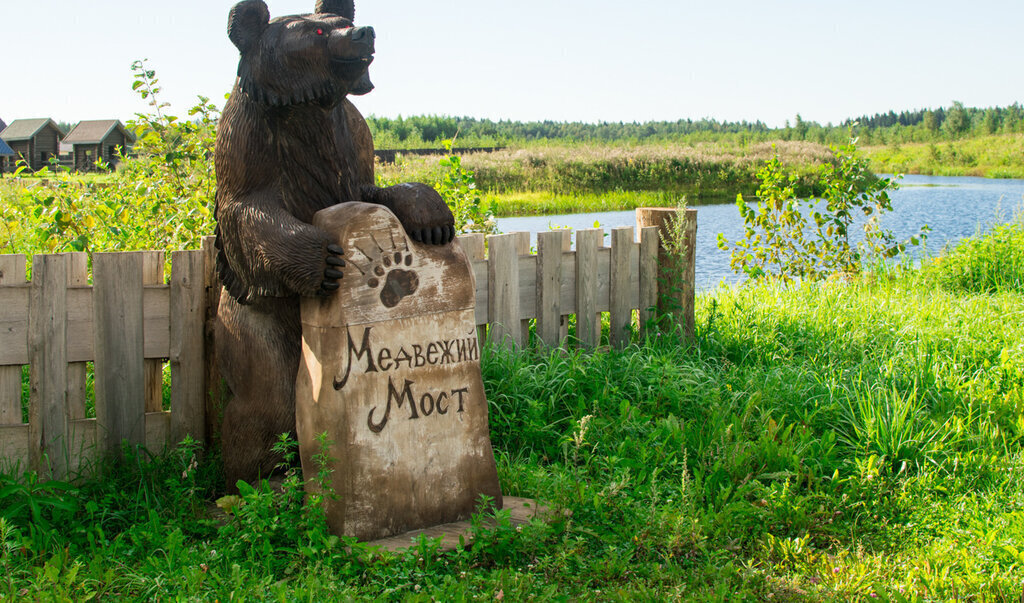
352	43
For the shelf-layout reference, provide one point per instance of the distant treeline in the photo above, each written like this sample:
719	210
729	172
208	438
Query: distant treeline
922	125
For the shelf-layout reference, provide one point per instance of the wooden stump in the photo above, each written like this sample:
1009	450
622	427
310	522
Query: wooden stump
676	276
390	372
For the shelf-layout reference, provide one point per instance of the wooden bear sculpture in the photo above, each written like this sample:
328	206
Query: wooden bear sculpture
288	145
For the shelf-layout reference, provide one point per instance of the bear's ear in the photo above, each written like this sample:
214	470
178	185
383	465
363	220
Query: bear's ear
246	23
342	8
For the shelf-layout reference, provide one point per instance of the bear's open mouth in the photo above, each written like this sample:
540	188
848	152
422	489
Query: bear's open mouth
356	61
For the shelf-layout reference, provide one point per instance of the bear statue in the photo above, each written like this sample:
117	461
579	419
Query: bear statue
289	144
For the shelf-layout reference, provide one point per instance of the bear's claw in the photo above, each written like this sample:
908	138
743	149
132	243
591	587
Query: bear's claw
332	274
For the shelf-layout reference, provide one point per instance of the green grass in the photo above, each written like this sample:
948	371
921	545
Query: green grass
833	441
544	203
699	171
997	156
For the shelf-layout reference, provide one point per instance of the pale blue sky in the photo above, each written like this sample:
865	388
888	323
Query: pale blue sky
562	60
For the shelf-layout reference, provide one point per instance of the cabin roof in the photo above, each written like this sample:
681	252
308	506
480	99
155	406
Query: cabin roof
25	129
94	131
5	149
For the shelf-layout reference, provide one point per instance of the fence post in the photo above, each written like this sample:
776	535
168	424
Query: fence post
118	343
676	275
48	358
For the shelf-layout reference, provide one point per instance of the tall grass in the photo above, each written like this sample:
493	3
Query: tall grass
699	170
990	263
829	441
996	156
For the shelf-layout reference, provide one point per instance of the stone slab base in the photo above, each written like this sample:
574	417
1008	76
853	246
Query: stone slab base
522	510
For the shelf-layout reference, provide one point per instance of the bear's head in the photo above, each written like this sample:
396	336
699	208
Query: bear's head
316	58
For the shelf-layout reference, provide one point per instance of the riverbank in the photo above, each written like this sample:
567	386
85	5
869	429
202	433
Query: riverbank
997	156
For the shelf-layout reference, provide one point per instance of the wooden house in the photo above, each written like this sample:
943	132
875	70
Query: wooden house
34	140
6	155
97	139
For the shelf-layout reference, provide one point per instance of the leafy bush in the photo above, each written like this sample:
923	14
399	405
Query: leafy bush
161	196
792	238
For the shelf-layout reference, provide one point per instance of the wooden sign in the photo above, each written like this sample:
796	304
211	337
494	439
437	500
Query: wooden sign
390	372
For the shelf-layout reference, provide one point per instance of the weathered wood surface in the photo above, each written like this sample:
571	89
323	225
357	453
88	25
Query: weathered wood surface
216	395
648	269
676	275
14	323
620	294
48	398
187	346
391	372
503	291
542	286
550	267
459	533
78	276
588	322
15	448
12	273
118	341
153	274
473	245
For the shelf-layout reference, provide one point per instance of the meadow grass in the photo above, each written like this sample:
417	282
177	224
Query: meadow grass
546	203
996	156
842	440
701	170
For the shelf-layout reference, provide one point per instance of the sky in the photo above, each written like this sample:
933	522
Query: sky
561	60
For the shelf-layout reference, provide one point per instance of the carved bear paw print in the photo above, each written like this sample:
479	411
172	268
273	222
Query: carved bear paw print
398	283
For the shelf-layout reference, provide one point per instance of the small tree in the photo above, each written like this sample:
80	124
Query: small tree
791	238
457	187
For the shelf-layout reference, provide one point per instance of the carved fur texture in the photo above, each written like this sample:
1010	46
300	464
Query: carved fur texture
289	144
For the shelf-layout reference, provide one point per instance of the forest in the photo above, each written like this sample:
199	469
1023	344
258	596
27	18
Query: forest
920	125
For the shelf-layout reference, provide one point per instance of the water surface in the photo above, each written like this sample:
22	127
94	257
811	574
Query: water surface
953	207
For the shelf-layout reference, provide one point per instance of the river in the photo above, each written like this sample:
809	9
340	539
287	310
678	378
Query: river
954	208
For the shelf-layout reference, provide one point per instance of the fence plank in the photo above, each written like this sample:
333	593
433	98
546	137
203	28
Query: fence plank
527	266
14	448
14	324
503	290
188	403
473	246
649	244
12	272
620	308
216	393
153	274
118	341
48	403
78	276
588	323
549	285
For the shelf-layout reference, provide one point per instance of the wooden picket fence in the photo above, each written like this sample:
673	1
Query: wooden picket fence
128	322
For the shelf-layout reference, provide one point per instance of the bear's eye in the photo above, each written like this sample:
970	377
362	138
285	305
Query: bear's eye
319	31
